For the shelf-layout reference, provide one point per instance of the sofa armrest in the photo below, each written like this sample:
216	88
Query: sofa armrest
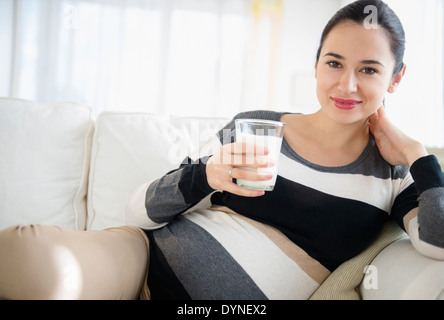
400	272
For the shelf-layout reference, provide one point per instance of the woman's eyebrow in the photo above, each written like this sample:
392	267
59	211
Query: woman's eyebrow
372	62
338	56
334	55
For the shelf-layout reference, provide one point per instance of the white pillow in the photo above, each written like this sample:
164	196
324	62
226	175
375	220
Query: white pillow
400	272
199	131
44	161
129	149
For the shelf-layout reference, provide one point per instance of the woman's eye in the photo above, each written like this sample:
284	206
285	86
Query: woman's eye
369	71
333	64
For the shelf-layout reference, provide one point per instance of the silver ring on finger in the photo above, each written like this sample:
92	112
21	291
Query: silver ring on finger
230	173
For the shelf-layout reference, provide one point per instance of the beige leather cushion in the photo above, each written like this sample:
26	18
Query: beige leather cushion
41	262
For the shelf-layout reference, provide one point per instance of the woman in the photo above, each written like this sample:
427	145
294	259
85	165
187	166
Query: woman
334	190
343	172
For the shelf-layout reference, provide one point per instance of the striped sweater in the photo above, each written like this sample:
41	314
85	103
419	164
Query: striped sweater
208	244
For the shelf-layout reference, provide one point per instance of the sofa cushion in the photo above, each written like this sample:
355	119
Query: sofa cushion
198	130
130	149
400	272
44	161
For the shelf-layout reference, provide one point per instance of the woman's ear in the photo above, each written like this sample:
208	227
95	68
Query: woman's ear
396	80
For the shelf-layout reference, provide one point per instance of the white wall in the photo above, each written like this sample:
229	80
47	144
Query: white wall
6	15
303	22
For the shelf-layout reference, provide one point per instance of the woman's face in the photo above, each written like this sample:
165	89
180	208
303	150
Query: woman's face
354	70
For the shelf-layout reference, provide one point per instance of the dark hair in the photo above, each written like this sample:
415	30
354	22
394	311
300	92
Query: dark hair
386	18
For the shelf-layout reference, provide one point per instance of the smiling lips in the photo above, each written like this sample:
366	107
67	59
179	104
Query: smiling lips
345	104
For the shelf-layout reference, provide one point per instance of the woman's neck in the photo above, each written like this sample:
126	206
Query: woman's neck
318	139
337	136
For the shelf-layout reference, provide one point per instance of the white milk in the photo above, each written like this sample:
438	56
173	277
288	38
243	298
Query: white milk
274	147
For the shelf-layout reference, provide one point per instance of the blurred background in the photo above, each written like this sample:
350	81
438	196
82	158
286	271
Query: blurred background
203	57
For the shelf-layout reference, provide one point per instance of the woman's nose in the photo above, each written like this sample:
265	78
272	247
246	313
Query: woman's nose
348	82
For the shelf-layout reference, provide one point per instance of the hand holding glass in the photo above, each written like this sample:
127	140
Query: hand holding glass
261	133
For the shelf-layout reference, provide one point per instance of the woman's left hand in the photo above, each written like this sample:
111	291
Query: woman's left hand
395	146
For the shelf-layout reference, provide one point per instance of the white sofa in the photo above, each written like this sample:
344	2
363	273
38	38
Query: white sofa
61	166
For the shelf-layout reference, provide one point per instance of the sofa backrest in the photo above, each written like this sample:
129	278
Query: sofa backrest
59	166
44	162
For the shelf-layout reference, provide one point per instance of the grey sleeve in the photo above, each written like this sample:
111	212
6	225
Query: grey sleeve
177	191
429	182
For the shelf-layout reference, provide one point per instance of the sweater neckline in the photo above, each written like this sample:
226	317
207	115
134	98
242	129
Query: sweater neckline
340	169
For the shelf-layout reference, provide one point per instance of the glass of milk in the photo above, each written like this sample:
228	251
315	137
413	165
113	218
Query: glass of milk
261	133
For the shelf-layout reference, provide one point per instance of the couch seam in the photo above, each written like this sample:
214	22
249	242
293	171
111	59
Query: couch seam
85	170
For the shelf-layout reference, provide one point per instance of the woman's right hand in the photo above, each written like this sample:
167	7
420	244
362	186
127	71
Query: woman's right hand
237	157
